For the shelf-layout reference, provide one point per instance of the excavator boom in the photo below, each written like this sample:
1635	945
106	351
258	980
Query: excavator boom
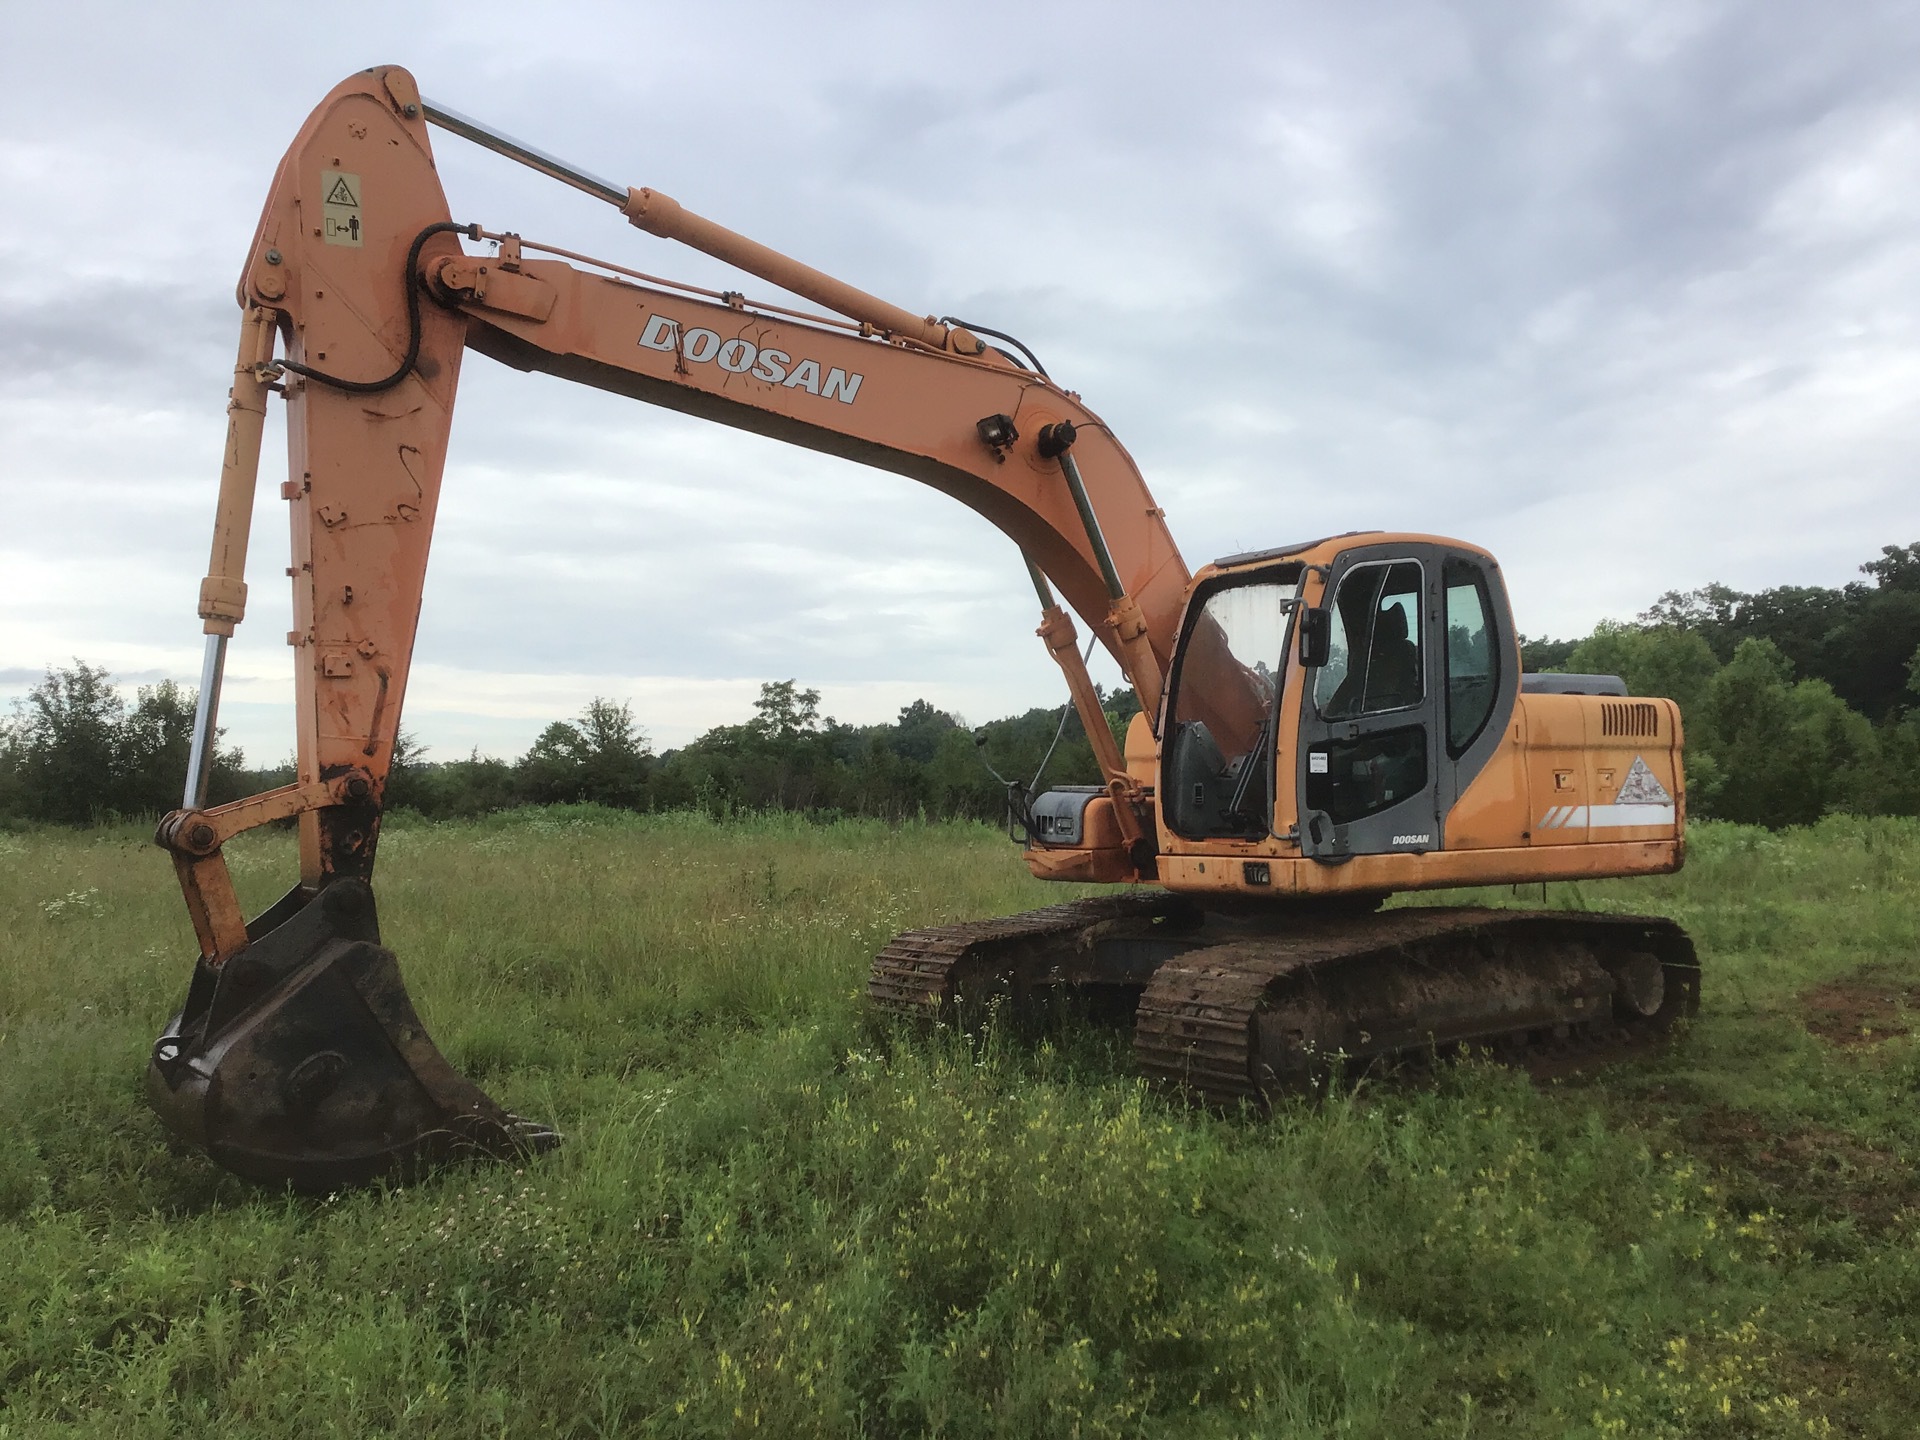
297	1057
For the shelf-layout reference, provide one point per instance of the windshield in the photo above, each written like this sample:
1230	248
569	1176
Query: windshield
1217	775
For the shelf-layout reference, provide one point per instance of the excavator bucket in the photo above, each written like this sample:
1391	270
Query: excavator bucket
302	1062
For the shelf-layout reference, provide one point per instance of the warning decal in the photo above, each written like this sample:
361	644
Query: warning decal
340	208
1641	787
1640	801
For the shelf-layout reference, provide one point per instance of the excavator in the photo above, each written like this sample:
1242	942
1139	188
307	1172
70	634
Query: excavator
1323	724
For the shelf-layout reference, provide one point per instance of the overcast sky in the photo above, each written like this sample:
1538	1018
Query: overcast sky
1625	292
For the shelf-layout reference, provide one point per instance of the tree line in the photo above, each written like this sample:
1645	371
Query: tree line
787	756
74	752
1797	701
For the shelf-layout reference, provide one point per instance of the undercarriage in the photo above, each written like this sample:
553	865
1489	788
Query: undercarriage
1233	1007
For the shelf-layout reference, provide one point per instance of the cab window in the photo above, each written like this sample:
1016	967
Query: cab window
1217	771
1473	670
1374	664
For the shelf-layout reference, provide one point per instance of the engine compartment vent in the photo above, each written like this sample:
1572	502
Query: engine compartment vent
1639	720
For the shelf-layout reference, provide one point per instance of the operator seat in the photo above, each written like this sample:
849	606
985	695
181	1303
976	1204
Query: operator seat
1393	669
1386	677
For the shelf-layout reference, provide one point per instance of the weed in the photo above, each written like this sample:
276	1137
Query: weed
772	1214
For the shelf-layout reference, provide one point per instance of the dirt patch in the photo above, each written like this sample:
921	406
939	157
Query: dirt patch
1812	1170
1858	1009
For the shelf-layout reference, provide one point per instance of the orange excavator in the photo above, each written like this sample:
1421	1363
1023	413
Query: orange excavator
1322	724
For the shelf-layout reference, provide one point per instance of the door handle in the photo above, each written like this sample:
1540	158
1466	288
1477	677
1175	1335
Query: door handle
1324	840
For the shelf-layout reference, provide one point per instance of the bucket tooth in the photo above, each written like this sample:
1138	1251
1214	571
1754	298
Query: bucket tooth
302	1062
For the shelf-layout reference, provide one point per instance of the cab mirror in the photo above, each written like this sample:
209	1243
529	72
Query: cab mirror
1316	636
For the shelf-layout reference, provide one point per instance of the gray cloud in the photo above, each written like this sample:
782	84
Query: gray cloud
1626	292
167	334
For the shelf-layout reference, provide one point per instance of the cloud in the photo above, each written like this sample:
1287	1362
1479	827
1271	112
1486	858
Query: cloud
1625	291
55	342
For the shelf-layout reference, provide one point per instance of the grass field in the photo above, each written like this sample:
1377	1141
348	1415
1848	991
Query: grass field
773	1216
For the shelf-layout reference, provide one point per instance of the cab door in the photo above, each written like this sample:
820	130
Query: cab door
1372	734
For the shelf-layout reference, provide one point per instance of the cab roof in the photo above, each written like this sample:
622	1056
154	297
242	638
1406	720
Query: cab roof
1327	549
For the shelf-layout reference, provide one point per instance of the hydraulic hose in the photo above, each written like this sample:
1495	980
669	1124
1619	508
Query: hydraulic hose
999	335
412	288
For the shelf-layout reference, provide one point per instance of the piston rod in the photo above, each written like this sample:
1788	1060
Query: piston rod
470	129
1115	590
1056	444
206	716
1040	585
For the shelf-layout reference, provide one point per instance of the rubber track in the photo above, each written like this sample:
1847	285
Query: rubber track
1194	1026
915	975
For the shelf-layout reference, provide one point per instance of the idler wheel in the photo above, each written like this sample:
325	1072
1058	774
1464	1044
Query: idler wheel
1640	981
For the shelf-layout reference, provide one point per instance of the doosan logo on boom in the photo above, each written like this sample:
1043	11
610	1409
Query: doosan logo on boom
743	357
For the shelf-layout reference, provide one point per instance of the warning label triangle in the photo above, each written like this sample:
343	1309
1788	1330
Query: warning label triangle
342	193
1642	787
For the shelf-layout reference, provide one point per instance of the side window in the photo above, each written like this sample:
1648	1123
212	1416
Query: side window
1473	670
1375	662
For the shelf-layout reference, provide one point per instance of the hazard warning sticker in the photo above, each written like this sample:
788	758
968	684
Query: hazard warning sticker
1642	787
1640	801
340	208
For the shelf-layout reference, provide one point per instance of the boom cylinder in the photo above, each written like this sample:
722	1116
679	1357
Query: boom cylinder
1063	643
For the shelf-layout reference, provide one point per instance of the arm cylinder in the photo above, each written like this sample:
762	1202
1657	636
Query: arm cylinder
664	216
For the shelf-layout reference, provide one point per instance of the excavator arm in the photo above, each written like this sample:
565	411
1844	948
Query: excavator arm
297	1057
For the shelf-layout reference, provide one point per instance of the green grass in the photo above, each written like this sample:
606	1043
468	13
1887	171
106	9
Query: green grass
771	1215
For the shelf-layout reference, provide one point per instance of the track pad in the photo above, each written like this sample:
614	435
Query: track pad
302	1062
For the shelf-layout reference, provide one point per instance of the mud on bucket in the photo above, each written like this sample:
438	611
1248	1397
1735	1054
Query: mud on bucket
302	1061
